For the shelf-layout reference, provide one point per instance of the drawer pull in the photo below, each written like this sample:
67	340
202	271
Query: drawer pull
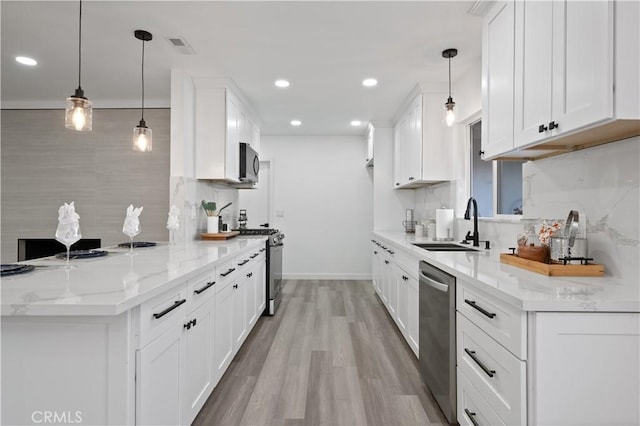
263	249
230	270
472	303
244	262
386	262
471	417
489	373
169	309
235	286
200	290
254	255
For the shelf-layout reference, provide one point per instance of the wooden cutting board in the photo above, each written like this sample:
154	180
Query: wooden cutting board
553	269
219	236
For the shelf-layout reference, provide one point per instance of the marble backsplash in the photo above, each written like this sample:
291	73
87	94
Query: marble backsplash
188	193
601	183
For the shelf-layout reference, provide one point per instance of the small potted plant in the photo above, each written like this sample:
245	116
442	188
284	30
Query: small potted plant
212	216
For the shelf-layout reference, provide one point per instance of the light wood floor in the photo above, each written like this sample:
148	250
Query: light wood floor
330	356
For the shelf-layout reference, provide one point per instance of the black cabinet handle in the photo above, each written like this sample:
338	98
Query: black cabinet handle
542	128
481	153
472	354
263	249
244	262
411	178
472	303
390	251
553	125
471	417
386	261
193	322
253	255
169	309
200	290
397	183
235	286
230	270
187	325
250	274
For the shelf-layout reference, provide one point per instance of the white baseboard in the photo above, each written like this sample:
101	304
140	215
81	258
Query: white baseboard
318	276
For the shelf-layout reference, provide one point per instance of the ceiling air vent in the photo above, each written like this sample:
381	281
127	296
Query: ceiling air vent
181	45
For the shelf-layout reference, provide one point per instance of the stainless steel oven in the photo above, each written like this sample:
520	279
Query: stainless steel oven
275	247
437	336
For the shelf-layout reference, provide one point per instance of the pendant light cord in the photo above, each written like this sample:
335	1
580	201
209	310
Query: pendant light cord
80	45
142	80
449	76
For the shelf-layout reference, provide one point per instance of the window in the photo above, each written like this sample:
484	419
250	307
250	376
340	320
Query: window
505	196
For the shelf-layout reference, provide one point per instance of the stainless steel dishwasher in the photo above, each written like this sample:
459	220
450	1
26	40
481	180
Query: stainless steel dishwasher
437	355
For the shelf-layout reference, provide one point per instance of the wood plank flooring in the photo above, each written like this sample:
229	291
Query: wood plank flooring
330	356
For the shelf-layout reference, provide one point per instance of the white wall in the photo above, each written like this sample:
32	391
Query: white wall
323	199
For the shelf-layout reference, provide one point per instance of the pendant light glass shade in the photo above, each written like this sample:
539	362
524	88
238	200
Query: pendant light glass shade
79	112
142	139
449	114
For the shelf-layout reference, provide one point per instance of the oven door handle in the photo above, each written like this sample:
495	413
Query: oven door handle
435	284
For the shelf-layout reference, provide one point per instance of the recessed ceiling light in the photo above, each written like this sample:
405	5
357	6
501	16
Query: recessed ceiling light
25	60
369	82
356	123
282	83
296	122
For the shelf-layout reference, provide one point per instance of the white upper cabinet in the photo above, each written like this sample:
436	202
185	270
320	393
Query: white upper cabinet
497	74
567	83
422	143
222	121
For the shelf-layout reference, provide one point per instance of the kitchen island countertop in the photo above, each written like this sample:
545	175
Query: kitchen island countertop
114	283
523	289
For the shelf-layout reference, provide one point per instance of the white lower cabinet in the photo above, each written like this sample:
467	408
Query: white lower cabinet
544	368
223	334
397	288
159	369
190	335
199	376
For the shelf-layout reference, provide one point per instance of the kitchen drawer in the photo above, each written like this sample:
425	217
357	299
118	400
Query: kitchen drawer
201	289
504	323
161	313
226	272
495	372
473	410
243	262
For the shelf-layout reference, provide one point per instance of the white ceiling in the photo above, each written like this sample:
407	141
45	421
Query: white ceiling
324	48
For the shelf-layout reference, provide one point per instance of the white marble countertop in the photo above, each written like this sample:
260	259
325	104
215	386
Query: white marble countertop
526	290
115	283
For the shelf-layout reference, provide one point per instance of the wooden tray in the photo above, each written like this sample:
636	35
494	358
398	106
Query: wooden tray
553	269
219	236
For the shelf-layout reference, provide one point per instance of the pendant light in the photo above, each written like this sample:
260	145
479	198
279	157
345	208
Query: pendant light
142	140
78	113
449	115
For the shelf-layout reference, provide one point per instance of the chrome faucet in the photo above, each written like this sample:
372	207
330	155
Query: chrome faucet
475	237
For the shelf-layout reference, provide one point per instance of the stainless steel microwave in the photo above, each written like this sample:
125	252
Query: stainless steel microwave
249	164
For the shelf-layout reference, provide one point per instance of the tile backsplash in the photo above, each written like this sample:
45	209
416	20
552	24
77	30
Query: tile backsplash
601	183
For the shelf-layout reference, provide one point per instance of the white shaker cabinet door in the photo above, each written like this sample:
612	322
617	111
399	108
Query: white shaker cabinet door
159	369
412	309
223	334
583	60
497	79
232	151
402	310
261	291
239	322
533	71
199	376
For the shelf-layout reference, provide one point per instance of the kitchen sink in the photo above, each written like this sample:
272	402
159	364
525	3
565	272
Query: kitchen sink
443	247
